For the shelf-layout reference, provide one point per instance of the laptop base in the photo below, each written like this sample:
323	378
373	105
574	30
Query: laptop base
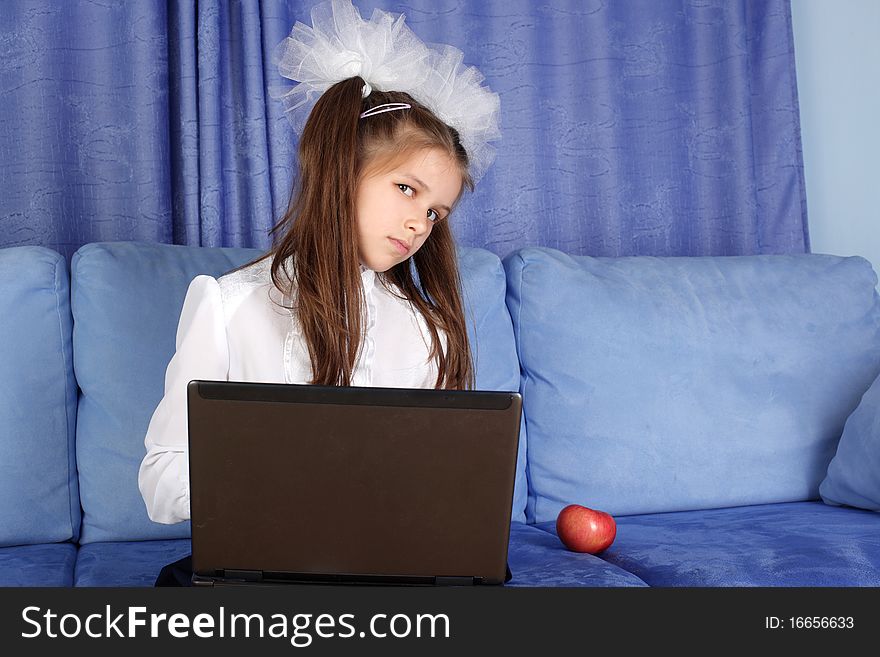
366	580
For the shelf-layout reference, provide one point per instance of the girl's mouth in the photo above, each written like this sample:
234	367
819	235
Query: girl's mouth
402	248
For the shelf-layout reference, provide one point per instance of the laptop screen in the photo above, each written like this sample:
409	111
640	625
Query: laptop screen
297	482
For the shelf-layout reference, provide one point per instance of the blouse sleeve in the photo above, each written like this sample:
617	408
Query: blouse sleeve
202	352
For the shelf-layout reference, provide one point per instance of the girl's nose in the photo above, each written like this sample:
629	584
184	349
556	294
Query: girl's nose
418	224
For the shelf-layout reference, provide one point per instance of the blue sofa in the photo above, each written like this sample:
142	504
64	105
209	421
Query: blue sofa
723	409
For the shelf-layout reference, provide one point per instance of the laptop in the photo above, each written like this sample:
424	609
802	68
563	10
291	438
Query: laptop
300	483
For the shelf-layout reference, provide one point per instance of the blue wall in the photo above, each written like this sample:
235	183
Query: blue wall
838	71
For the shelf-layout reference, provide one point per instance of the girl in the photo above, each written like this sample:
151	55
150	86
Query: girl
362	287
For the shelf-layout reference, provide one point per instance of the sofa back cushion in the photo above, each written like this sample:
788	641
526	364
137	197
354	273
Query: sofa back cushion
127	298
490	333
854	473
670	384
39	498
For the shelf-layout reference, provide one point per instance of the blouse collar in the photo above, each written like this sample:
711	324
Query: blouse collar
368	278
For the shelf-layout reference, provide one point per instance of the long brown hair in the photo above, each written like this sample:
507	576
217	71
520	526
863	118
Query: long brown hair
318	245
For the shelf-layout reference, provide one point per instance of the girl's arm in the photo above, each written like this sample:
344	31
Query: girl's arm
201	353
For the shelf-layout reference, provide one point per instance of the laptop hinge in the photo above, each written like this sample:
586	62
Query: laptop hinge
454	581
244	575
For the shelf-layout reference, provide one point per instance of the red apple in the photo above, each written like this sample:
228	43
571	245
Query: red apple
585	530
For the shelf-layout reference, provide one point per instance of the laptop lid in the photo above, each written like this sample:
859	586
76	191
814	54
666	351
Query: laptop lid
350	484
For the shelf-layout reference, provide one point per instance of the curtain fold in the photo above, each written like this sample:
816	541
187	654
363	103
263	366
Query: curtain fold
636	127
183	125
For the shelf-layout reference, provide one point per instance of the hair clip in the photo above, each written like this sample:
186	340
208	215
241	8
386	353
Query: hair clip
387	107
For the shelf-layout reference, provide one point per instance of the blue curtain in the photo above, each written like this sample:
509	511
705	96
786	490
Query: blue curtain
632	127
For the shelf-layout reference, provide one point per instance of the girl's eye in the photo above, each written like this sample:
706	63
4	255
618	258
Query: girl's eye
433	217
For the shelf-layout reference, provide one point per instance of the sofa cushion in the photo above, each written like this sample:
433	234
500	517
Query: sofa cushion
670	384
39	497
537	558
126	300
490	333
48	564
127	563
854	472
789	544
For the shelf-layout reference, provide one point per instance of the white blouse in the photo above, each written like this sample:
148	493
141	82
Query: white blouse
234	328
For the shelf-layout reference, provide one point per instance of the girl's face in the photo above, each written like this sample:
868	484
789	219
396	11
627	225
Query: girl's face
397	209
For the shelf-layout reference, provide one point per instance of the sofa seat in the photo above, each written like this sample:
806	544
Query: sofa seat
536	558
790	544
126	563
46	564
